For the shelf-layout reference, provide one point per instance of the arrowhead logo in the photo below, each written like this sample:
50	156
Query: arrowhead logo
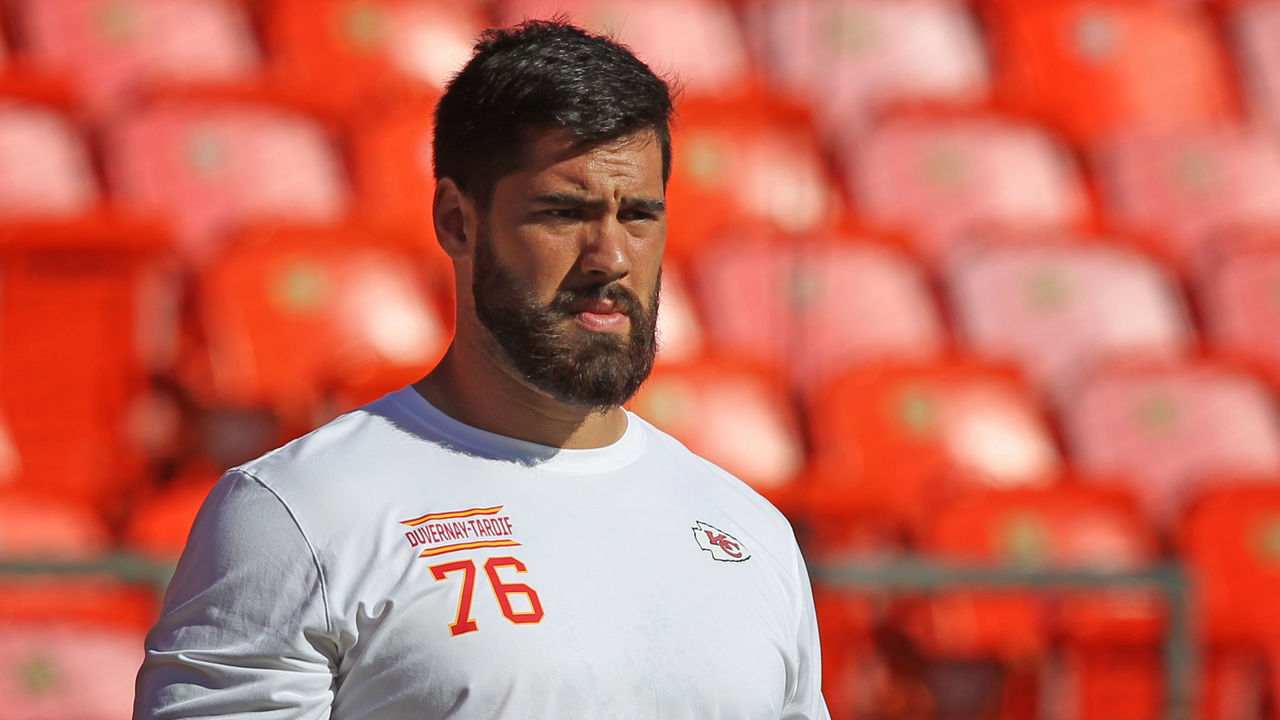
722	546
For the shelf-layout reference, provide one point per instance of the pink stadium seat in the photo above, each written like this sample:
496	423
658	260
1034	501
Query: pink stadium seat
746	164
48	528
1058	309
114	50
1242	307
681	335
65	670
1185	190
1256	31
1166	430
697	41
213	167
45	169
946	179
732	414
814	308
291	316
891	441
87	310
850	59
353	51
1092	67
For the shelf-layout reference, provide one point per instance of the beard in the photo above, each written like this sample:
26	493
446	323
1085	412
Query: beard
576	366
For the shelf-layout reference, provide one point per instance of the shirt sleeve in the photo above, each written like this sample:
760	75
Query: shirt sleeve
245	630
807	702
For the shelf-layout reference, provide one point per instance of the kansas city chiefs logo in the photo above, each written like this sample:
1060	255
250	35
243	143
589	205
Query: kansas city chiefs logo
720	544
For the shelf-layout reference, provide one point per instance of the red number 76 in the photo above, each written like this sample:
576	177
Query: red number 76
501	590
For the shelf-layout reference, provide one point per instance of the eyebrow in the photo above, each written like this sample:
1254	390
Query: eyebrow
576	201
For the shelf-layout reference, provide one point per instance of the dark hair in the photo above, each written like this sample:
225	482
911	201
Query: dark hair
542	74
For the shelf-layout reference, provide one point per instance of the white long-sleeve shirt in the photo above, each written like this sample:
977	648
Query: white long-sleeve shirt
397	563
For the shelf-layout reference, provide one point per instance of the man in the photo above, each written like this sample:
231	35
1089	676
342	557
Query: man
502	539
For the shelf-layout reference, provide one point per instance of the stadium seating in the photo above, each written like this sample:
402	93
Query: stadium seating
1063	527
892	440
350	52
1060	308
945	180
63	671
1165	429
1231	543
291	318
113	51
1241	306
210	167
1256	31
391	169
681	334
45	167
852	59
746	164
814	307
1089	68
87	310
697	41
1182	191
737	416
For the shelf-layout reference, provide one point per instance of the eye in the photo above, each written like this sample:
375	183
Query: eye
636	215
563	213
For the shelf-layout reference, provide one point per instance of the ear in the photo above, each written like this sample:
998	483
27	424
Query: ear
454	215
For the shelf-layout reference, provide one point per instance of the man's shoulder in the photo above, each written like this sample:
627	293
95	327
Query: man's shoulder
357	444
716	486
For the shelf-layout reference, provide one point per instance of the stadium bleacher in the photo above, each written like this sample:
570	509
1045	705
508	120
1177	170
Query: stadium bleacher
984	284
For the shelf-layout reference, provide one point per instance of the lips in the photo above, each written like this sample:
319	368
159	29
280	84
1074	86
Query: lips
604	310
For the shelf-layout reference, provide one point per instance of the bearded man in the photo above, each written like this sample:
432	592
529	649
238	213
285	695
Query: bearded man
502	539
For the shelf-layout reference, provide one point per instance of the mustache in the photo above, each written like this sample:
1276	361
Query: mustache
626	301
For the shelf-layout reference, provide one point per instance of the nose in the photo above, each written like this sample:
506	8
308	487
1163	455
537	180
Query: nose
606	253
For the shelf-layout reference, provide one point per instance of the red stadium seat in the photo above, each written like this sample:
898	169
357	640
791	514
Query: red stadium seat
746	164
1230	540
212	167
735	416
45	168
851	59
944	180
1058	309
697	41
112	51
1185	190
63	670
1092	67
1064	527
160	521
814	308
891	441
290	316
1166	429
391	168
349	52
1256	27
88	310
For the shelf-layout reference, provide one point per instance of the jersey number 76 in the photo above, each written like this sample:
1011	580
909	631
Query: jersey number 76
501	590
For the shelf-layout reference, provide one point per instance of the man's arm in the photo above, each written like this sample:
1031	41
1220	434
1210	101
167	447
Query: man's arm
806	702
245	630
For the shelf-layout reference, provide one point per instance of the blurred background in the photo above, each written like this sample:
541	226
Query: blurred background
984	294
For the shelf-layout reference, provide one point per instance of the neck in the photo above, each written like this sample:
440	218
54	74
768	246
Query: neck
473	387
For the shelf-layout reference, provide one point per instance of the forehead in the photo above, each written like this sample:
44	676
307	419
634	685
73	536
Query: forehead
555	156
